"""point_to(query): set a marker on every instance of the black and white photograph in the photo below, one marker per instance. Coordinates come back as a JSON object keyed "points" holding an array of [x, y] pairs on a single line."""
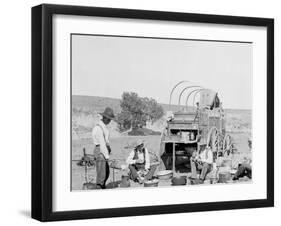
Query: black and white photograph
{"points": [[142, 112], [158, 112]]}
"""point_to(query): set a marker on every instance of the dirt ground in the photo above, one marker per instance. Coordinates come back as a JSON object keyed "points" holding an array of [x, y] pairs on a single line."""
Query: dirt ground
{"points": [[121, 147]]}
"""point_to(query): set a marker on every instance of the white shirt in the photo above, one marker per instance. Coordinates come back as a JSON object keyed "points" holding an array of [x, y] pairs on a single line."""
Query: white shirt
{"points": [[206, 157], [100, 136], [141, 155]]}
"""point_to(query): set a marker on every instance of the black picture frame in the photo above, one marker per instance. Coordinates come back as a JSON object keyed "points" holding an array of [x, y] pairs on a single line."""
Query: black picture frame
{"points": [[42, 107]]}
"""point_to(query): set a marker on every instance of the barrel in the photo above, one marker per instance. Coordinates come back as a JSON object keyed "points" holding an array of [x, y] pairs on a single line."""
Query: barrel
{"points": [[224, 177]]}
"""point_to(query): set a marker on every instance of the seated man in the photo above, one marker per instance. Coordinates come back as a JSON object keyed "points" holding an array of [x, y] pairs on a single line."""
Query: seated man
{"points": [[202, 161], [244, 169], [139, 163]]}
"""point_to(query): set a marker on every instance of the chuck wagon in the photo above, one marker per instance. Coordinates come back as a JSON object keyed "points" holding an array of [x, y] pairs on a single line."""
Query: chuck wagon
{"points": [[192, 127]]}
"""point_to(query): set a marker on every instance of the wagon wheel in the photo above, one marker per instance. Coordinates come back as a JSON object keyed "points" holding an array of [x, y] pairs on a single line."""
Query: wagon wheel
{"points": [[227, 145], [213, 139]]}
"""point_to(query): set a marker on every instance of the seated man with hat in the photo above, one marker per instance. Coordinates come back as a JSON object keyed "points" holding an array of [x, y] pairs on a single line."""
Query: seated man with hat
{"points": [[202, 161], [102, 148], [139, 164]]}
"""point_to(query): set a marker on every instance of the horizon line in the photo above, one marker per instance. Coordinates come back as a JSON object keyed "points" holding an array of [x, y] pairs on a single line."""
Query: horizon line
{"points": [[246, 109]]}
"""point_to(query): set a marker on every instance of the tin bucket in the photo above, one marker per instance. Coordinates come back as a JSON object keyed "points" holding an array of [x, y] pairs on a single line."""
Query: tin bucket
{"points": [[224, 177], [125, 181]]}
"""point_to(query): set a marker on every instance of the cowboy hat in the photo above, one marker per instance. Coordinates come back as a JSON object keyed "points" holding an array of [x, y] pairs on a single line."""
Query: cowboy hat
{"points": [[108, 113], [139, 143]]}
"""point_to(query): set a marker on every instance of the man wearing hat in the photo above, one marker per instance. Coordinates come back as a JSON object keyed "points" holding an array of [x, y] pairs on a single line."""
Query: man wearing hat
{"points": [[139, 163], [202, 161], [102, 149], [244, 169]]}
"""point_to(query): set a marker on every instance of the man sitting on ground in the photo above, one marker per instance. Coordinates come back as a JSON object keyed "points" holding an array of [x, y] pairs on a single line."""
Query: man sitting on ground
{"points": [[244, 169], [139, 164], [202, 161]]}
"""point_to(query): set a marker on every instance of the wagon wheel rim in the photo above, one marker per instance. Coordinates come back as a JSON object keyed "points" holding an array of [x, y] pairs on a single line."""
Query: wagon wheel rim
{"points": [[213, 139], [227, 144]]}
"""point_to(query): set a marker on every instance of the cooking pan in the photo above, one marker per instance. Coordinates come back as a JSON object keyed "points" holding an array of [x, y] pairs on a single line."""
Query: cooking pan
{"points": [[165, 174], [179, 180]]}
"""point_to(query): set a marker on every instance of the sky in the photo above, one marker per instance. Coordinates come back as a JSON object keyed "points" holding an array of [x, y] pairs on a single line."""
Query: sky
{"points": [[108, 66]]}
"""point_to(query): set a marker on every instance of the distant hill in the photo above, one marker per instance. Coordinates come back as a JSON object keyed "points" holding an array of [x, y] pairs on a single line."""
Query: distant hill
{"points": [[85, 109], [95, 103], [98, 104]]}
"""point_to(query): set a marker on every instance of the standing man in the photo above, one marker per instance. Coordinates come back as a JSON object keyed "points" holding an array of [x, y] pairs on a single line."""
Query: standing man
{"points": [[102, 148], [203, 162]]}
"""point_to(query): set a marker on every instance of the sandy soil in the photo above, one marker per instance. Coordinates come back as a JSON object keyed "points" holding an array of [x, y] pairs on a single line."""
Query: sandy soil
{"points": [[121, 146]]}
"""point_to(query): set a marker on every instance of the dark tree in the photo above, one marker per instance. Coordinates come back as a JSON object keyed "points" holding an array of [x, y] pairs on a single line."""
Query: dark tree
{"points": [[124, 120], [136, 111], [153, 110]]}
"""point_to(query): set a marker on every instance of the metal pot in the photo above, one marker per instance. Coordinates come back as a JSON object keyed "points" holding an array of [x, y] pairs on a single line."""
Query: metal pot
{"points": [[89, 186], [182, 160], [165, 174], [180, 152], [192, 136], [224, 177], [179, 180], [125, 181], [151, 183]]}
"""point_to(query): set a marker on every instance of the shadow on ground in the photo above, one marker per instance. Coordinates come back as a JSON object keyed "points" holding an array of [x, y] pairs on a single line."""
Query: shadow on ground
{"points": [[25, 213]]}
